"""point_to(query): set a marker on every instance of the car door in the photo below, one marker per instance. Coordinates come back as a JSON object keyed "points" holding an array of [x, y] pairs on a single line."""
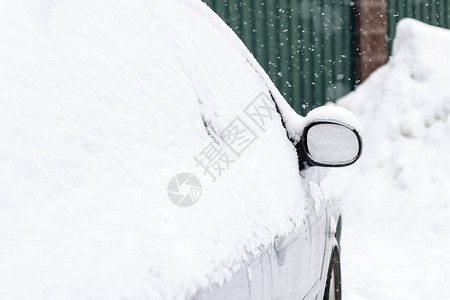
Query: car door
{"points": [[293, 257], [290, 264], [317, 218]]}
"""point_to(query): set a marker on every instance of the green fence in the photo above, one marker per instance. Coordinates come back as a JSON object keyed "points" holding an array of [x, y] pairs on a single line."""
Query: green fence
{"points": [[305, 46], [434, 12]]}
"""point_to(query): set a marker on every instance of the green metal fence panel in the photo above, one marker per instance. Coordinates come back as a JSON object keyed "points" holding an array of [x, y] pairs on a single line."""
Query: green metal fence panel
{"points": [[433, 12], [306, 46]]}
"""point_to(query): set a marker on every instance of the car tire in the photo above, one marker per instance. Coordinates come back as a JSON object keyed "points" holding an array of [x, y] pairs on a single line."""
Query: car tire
{"points": [[333, 289]]}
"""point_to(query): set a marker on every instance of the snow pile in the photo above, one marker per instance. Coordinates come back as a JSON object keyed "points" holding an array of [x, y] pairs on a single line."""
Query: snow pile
{"points": [[102, 103], [396, 239]]}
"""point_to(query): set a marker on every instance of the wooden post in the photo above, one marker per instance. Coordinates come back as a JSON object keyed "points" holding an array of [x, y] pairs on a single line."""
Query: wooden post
{"points": [[370, 37]]}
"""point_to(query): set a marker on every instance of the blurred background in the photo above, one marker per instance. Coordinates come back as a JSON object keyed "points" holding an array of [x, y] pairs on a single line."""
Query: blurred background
{"points": [[318, 51]]}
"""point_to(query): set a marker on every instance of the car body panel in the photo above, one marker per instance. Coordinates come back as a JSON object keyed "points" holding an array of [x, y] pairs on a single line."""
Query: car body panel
{"points": [[295, 267], [290, 272]]}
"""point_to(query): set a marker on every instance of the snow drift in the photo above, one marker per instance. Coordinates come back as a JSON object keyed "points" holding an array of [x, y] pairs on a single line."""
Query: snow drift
{"points": [[102, 103], [396, 239]]}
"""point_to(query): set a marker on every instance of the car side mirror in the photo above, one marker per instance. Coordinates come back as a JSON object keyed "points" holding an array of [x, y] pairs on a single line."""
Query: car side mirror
{"points": [[329, 143]]}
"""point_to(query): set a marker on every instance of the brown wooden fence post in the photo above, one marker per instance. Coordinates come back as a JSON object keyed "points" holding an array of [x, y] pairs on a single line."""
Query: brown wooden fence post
{"points": [[370, 37]]}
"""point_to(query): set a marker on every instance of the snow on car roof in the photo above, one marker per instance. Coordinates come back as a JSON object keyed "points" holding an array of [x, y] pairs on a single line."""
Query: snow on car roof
{"points": [[102, 104]]}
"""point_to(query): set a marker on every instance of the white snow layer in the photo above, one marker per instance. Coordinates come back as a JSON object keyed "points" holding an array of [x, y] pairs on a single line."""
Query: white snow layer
{"points": [[102, 103], [396, 229]]}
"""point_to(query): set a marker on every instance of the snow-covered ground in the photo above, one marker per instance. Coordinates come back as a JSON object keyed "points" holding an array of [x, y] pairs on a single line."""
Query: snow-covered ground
{"points": [[396, 238]]}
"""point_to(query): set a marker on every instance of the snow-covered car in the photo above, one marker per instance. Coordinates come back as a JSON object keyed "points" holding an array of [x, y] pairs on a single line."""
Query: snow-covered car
{"points": [[106, 106]]}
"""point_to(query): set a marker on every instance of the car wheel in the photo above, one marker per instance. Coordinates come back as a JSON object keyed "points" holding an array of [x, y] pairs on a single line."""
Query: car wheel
{"points": [[333, 288]]}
